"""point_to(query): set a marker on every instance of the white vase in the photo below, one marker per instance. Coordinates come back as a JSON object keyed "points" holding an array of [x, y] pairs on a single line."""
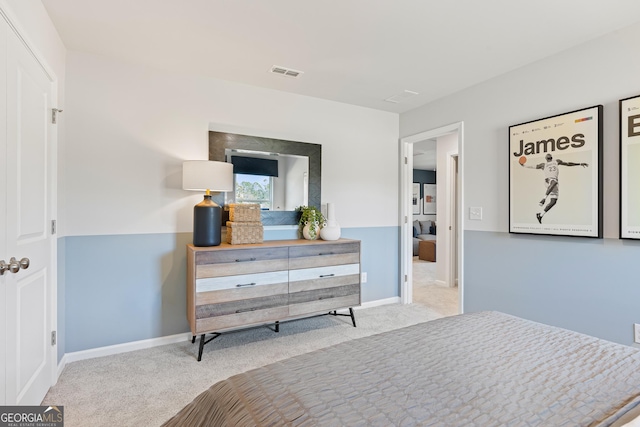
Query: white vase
{"points": [[330, 231], [331, 228], [311, 230]]}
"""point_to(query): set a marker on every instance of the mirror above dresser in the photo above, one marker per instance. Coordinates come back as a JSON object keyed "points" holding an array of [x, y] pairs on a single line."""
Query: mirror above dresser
{"points": [[223, 146]]}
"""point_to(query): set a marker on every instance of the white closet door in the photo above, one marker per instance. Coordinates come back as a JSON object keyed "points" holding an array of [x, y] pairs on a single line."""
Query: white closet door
{"points": [[3, 207], [29, 293]]}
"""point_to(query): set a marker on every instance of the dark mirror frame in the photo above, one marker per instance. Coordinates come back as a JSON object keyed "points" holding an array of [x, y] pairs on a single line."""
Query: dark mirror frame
{"points": [[220, 141]]}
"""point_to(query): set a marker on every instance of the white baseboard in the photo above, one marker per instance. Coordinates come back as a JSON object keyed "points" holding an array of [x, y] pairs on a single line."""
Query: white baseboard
{"points": [[377, 303], [441, 282], [155, 342], [61, 366], [126, 347]]}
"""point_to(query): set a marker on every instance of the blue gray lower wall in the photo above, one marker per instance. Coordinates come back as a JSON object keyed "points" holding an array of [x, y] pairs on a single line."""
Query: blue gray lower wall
{"points": [[586, 285], [122, 288]]}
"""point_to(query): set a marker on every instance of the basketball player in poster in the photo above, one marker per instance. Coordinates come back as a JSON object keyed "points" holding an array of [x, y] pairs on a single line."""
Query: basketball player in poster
{"points": [[551, 171]]}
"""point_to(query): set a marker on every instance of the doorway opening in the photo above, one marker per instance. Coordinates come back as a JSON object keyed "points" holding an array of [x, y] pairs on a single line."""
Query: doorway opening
{"points": [[447, 271]]}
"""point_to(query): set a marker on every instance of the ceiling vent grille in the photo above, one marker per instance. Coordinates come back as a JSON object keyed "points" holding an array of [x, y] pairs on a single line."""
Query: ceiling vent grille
{"points": [[396, 99], [284, 71]]}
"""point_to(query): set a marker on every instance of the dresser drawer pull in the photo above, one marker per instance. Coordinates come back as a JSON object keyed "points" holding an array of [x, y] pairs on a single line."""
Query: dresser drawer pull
{"points": [[325, 253], [245, 284], [327, 275], [245, 310], [245, 260]]}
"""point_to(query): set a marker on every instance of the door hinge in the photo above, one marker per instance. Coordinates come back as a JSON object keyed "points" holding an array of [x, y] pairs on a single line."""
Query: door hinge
{"points": [[53, 226], [406, 161], [406, 219], [53, 338], [54, 115], [406, 278]]}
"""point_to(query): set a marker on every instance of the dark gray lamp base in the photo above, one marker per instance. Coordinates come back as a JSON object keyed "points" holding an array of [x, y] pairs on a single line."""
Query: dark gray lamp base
{"points": [[207, 223]]}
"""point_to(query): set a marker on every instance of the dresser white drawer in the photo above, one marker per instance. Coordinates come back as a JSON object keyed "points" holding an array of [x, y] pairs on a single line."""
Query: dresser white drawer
{"points": [[323, 272], [241, 281]]}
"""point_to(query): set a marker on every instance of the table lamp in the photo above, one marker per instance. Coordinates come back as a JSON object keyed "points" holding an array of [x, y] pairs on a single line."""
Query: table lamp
{"points": [[207, 215]]}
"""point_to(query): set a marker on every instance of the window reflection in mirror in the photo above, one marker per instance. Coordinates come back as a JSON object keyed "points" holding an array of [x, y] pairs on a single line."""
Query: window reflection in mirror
{"points": [[254, 189], [278, 182]]}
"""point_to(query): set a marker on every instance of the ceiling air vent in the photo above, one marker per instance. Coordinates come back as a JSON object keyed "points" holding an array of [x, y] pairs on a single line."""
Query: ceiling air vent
{"points": [[396, 99], [283, 71]]}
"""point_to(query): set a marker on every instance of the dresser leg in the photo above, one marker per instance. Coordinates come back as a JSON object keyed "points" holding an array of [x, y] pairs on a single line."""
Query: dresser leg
{"points": [[201, 347], [353, 317], [277, 326], [193, 339], [203, 342]]}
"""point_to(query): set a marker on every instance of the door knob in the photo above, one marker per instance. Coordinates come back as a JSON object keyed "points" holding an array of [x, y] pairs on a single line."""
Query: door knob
{"points": [[3, 267], [14, 265]]}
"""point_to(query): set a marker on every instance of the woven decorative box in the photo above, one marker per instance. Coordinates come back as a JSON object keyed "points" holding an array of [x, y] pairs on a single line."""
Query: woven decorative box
{"points": [[244, 212], [244, 232]]}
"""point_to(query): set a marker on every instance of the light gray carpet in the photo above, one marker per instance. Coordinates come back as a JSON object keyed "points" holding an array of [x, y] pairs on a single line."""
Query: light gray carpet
{"points": [[439, 298], [146, 387]]}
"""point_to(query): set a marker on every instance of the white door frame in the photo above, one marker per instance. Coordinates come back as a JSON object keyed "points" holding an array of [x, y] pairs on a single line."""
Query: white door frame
{"points": [[452, 203], [15, 26], [406, 178]]}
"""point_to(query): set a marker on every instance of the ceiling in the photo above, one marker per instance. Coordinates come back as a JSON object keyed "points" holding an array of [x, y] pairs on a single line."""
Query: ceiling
{"points": [[352, 51], [424, 155]]}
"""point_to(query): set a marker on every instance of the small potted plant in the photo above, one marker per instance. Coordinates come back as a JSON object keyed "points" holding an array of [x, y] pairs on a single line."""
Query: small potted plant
{"points": [[311, 219]]}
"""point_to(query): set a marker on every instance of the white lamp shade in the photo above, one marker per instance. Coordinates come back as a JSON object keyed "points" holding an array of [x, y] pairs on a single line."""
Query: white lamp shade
{"points": [[207, 175]]}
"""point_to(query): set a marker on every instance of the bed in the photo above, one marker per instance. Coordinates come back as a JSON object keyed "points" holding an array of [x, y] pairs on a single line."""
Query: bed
{"points": [[477, 369]]}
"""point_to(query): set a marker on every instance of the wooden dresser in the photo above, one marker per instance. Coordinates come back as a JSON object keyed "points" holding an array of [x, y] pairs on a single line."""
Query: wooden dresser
{"points": [[232, 286]]}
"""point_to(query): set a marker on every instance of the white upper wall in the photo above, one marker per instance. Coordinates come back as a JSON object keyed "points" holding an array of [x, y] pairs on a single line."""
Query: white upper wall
{"points": [[601, 71], [130, 128]]}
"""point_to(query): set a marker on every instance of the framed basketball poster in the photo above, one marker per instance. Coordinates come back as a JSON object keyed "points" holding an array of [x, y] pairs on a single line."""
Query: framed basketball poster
{"points": [[555, 175], [630, 168]]}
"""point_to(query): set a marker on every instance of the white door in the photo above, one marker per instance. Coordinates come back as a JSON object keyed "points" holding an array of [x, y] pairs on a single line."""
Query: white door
{"points": [[29, 359], [3, 210]]}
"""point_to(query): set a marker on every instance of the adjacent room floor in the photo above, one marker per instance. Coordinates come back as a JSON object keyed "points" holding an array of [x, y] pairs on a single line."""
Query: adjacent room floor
{"points": [[439, 298]]}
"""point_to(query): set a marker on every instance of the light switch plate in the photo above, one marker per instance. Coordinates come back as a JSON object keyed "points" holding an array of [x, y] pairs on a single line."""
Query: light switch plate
{"points": [[475, 213]]}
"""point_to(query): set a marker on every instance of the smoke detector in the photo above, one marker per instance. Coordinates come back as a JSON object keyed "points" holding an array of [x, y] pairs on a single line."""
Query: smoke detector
{"points": [[396, 99], [284, 71]]}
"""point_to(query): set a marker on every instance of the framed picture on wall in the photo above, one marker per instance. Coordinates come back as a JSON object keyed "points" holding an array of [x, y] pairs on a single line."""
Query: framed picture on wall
{"points": [[630, 168], [429, 199], [555, 175], [416, 198]]}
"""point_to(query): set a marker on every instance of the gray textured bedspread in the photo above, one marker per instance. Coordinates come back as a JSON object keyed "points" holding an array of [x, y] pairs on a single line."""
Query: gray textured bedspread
{"points": [[478, 369]]}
